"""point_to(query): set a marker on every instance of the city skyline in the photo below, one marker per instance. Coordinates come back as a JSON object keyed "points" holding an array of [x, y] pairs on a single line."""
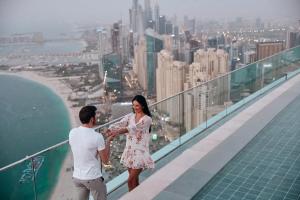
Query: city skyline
{"points": [[28, 16]]}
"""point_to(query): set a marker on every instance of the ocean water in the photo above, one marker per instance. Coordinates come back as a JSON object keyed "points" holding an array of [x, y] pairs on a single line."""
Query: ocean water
{"points": [[32, 118], [51, 47]]}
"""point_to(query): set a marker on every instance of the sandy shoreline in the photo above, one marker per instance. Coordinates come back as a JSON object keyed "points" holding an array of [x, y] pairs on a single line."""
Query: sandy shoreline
{"points": [[64, 188]]}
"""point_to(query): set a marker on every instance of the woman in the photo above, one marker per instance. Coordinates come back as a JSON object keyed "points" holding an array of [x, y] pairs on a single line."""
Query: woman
{"points": [[137, 127]]}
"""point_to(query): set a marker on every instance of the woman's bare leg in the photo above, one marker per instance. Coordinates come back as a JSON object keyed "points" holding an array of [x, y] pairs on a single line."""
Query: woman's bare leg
{"points": [[133, 179]]}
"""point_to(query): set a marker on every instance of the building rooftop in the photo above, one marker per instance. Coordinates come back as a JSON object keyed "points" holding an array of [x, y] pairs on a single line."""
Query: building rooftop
{"points": [[267, 166]]}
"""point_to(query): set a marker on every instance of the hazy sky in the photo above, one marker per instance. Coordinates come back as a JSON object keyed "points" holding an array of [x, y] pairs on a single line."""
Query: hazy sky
{"points": [[34, 15]]}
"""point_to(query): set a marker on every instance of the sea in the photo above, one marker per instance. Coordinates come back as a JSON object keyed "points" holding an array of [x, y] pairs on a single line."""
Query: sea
{"points": [[50, 47], [32, 118]]}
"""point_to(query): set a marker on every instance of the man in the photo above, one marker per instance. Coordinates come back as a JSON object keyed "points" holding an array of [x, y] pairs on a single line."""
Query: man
{"points": [[87, 146]]}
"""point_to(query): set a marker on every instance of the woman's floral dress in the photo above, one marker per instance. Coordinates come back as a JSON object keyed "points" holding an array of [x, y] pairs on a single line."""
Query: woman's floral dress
{"points": [[136, 153]]}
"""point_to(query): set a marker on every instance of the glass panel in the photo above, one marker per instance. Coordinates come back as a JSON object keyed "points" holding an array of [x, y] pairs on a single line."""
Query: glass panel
{"points": [[290, 60], [17, 182], [49, 171], [238, 85], [226, 92], [115, 168], [253, 79], [195, 109], [181, 125], [268, 74], [167, 121], [218, 96]]}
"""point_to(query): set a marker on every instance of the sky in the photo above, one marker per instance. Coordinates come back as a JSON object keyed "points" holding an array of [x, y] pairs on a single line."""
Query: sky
{"points": [[46, 15]]}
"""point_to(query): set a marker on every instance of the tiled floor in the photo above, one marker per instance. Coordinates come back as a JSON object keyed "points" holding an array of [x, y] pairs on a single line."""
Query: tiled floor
{"points": [[267, 168]]}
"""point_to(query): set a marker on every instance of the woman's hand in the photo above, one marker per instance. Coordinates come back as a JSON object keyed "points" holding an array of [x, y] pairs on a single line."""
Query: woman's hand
{"points": [[111, 132]]}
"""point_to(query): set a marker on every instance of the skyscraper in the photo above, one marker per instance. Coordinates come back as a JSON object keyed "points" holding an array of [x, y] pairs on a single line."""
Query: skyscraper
{"points": [[169, 28], [190, 25], [169, 80], [140, 62], [249, 57], [154, 45], [133, 15], [115, 37], [156, 16], [176, 31], [140, 21], [162, 25], [207, 65], [136, 18], [266, 49], [259, 24], [145, 60], [125, 43], [170, 75], [212, 42], [293, 39], [169, 42], [147, 14], [102, 46], [131, 44]]}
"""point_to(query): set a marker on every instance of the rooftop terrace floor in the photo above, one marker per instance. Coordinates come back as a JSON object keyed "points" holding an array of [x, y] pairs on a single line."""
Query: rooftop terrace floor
{"points": [[267, 168]]}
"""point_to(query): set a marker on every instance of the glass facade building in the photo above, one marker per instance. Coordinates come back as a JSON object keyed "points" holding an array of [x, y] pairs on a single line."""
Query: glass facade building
{"points": [[154, 45]]}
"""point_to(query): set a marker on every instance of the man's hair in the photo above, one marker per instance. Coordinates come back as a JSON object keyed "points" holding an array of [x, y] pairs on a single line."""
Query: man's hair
{"points": [[86, 113]]}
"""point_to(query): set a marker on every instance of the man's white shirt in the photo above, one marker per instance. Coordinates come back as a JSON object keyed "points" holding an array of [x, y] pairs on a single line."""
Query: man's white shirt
{"points": [[85, 144]]}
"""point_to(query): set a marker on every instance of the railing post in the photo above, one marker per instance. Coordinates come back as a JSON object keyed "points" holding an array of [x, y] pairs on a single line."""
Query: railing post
{"points": [[33, 177], [180, 114], [206, 105]]}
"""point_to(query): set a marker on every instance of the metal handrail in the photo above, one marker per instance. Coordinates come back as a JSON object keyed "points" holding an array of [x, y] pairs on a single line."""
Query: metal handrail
{"points": [[103, 125], [34, 155]]}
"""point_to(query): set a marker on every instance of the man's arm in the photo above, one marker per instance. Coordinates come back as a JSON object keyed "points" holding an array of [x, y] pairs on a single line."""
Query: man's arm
{"points": [[105, 153]]}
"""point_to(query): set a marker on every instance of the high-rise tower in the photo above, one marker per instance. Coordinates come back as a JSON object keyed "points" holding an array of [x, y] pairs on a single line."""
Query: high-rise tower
{"points": [[136, 18], [147, 13], [156, 15]]}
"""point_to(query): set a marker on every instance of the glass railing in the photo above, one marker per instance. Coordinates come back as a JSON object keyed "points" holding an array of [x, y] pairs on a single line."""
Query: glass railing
{"points": [[50, 171], [175, 121], [34, 177], [17, 182]]}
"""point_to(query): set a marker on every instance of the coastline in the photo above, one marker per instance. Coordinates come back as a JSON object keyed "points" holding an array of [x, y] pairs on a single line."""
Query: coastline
{"points": [[64, 188]]}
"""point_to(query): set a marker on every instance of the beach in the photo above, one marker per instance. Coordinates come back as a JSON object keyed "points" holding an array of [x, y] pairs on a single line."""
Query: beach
{"points": [[64, 188]]}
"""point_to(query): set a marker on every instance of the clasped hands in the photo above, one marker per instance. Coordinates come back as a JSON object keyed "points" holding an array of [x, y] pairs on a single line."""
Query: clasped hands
{"points": [[111, 134]]}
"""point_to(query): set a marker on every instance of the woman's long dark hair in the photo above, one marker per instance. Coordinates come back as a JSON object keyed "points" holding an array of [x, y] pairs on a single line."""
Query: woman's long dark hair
{"points": [[142, 101]]}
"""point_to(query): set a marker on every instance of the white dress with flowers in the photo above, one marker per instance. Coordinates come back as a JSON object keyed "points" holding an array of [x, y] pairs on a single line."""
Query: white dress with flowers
{"points": [[136, 154]]}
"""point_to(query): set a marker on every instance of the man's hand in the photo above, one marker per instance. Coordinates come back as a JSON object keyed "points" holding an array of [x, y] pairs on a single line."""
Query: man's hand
{"points": [[110, 138], [104, 154]]}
